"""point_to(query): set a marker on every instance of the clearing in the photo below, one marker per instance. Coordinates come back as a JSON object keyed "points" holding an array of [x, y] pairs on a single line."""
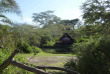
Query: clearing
{"points": [[48, 59]]}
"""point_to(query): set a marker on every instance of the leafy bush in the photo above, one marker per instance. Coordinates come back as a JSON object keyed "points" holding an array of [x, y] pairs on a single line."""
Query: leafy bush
{"points": [[95, 60], [94, 57], [24, 47], [46, 41], [36, 49], [50, 43], [49, 50], [83, 40], [71, 64], [79, 47], [76, 40]]}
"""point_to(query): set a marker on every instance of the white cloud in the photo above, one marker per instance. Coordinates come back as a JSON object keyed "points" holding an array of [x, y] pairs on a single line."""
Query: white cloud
{"points": [[69, 13], [28, 20]]}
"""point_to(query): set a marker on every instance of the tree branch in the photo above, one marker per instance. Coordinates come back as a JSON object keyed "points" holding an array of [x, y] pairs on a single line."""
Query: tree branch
{"points": [[7, 61], [57, 68], [32, 69]]}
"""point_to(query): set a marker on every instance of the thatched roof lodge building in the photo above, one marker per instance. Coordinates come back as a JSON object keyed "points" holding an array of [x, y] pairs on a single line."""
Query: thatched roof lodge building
{"points": [[66, 39]]}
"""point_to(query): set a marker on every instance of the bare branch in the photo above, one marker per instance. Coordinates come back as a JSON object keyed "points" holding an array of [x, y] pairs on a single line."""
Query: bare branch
{"points": [[7, 61], [57, 68], [32, 69]]}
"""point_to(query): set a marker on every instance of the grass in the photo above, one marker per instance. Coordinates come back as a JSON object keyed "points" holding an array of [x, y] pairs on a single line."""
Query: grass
{"points": [[47, 59], [44, 54]]}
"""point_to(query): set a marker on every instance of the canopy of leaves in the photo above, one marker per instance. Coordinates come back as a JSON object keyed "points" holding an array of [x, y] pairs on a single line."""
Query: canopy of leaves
{"points": [[96, 11], [45, 18], [69, 22], [8, 6]]}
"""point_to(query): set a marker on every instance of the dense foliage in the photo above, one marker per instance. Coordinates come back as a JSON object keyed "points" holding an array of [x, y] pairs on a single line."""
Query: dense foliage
{"points": [[93, 54], [8, 6], [91, 39]]}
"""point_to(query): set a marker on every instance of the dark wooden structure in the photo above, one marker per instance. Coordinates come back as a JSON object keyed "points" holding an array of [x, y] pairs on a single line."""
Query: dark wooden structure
{"points": [[66, 39]]}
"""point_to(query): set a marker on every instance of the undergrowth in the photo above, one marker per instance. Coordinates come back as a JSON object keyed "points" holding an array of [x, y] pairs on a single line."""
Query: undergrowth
{"points": [[4, 54]]}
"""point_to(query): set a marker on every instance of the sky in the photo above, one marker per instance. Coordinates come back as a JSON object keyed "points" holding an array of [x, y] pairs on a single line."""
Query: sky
{"points": [[65, 9]]}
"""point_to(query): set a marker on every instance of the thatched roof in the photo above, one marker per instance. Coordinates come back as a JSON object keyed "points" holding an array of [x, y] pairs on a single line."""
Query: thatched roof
{"points": [[66, 39]]}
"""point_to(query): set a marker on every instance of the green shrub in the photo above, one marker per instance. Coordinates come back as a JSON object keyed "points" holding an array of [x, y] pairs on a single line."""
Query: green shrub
{"points": [[24, 47], [76, 40], [79, 47], [93, 57], [46, 41], [49, 50], [83, 40], [36, 49], [93, 60], [71, 64], [50, 43]]}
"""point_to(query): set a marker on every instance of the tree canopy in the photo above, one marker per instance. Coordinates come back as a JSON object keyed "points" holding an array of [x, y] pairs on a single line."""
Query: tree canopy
{"points": [[45, 18], [96, 11], [8, 6]]}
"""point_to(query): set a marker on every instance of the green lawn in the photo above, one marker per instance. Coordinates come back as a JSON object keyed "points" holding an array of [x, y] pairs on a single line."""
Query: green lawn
{"points": [[48, 59], [44, 54]]}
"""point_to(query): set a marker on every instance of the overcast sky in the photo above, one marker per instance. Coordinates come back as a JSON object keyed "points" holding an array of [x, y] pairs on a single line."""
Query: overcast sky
{"points": [[65, 9]]}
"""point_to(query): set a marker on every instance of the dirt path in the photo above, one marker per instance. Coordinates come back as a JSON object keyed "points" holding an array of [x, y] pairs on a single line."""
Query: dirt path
{"points": [[50, 60]]}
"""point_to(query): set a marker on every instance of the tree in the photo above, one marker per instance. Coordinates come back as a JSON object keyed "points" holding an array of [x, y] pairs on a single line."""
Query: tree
{"points": [[45, 18], [8, 6], [69, 22], [96, 11]]}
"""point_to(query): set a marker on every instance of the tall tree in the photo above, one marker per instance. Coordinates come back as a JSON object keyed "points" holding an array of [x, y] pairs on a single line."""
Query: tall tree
{"points": [[69, 22], [45, 18], [7, 6], [96, 11]]}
